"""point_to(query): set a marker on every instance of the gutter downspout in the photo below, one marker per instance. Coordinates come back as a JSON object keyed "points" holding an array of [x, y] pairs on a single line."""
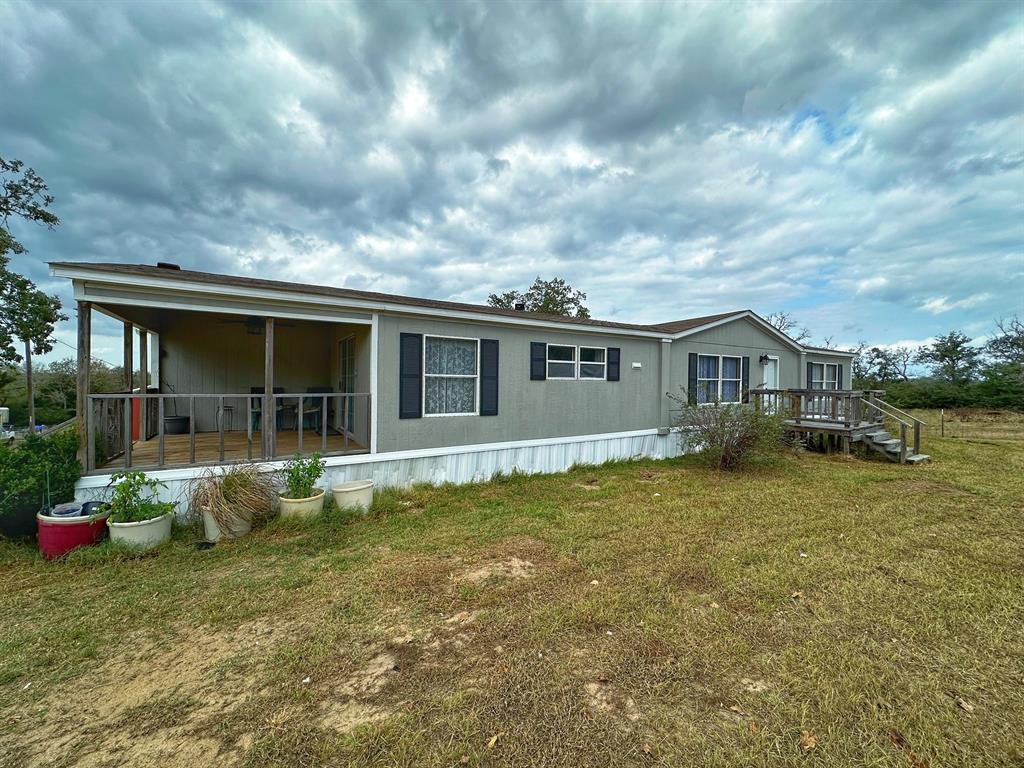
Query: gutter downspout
{"points": [[665, 382]]}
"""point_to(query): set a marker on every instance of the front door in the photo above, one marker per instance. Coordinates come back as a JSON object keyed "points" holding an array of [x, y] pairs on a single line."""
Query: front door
{"points": [[771, 381], [347, 379]]}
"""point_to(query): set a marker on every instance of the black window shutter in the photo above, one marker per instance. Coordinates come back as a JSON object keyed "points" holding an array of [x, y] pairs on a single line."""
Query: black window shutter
{"points": [[839, 377], [410, 376], [810, 375], [691, 379], [613, 364], [746, 379], [488, 377], [538, 360]]}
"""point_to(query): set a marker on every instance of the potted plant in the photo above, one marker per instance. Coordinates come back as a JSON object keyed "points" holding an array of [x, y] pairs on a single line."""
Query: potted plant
{"points": [[301, 497], [231, 500], [137, 517]]}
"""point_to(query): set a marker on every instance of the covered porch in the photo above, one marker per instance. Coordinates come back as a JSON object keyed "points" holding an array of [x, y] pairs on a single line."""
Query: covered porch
{"points": [[209, 387]]}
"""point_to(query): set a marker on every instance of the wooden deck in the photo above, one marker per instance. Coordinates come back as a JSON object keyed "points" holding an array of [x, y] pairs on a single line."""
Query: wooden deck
{"points": [[145, 454]]}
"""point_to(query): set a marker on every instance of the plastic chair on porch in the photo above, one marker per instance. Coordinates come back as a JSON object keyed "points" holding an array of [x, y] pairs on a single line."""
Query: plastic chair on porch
{"points": [[312, 408], [257, 408]]}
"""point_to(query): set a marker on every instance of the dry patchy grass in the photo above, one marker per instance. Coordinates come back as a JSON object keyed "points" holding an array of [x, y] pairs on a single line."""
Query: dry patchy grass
{"points": [[817, 610]]}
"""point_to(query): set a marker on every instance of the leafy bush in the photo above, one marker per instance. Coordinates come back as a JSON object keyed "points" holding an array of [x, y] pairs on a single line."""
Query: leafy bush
{"points": [[23, 471], [301, 474], [728, 435], [134, 500]]}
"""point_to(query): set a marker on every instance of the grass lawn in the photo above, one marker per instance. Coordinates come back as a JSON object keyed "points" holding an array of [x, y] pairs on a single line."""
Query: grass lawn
{"points": [[816, 611]]}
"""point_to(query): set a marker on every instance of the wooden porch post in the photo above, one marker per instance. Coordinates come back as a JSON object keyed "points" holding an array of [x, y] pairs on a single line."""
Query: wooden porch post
{"points": [[144, 382], [129, 365], [82, 388], [269, 426]]}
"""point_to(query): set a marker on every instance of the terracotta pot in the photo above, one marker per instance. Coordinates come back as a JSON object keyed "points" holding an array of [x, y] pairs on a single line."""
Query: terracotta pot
{"points": [[303, 507]]}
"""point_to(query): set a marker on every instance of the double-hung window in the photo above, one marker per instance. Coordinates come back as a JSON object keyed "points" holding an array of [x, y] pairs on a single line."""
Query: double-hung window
{"points": [[566, 361], [451, 371], [561, 361], [593, 362], [719, 379], [824, 376]]}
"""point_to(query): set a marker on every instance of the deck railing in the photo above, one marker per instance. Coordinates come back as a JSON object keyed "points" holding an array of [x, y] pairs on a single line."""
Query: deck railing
{"points": [[110, 426], [847, 407], [836, 407]]}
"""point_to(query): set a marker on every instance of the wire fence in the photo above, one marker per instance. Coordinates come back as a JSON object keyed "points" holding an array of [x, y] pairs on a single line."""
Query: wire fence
{"points": [[972, 423]]}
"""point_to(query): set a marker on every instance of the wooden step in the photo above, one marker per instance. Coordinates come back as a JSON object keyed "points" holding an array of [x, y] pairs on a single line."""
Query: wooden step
{"points": [[917, 458], [881, 435]]}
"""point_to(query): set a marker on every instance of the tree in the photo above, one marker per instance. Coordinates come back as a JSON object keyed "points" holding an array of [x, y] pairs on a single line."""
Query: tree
{"points": [[951, 358], [1007, 344], [786, 323], [27, 313], [552, 297]]}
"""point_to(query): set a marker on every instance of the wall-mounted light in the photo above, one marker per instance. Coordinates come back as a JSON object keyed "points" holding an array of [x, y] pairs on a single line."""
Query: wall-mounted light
{"points": [[763, 359]]}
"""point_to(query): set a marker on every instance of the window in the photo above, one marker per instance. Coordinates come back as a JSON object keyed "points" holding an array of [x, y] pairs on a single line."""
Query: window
{"points": [[719, 379], [568, 362], [450, 372], [592, 362], [561, 361], [824, 376]]}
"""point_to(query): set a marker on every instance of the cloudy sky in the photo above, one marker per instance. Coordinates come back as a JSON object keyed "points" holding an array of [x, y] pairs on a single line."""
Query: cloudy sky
{"points": [[858, 164]]}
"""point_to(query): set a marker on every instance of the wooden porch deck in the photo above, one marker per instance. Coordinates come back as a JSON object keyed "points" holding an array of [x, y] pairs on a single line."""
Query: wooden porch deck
{"points": [[146, 453]]}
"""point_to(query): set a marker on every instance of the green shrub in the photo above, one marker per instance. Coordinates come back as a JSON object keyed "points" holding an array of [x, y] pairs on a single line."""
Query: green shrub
{"points": [[728, 435], [23, 471], [133, 498], [301, 474]]}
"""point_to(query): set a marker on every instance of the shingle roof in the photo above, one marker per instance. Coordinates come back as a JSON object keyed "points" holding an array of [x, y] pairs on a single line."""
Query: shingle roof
{"points": [[185, 275]]}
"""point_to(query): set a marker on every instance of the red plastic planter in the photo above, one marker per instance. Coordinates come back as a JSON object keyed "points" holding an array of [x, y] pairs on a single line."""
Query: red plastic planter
{"points": [[58, 536]]}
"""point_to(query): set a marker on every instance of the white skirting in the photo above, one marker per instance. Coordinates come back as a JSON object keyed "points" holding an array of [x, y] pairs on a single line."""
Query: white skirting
{"points": [[457, 464]]}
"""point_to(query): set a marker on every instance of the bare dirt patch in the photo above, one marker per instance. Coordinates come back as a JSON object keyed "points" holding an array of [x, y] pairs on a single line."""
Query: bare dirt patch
{"points": [[513, 568], [603, 698], [145, 707]]}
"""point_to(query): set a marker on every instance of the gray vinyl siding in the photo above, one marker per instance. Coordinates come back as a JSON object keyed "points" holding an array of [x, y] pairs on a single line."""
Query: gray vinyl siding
{"points": [[526, 409], [846, 362], [741, 338]]}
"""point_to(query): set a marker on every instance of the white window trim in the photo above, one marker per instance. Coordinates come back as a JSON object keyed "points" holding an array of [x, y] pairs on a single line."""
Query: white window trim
{"points": [[720, 379], [476, 396], [575, 361], [826, 379], [580, 363]]}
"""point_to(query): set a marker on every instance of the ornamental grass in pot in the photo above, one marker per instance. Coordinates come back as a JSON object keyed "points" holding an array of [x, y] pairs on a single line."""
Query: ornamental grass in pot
{"points": [[231, 500], [138, 518], [301, 497]]}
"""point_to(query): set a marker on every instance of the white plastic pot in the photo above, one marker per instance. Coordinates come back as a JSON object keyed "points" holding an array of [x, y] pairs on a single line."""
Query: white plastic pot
{"points": [[354, 494], [235, 528], [303, 507], [142, 535]]}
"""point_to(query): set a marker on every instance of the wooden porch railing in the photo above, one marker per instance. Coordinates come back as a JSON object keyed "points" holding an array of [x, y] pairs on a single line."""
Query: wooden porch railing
{"points": [[847, 407], [109, 424]]}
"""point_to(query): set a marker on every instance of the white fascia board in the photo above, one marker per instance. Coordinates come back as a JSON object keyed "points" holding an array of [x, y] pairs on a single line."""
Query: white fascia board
{"points": [[270, 294]]}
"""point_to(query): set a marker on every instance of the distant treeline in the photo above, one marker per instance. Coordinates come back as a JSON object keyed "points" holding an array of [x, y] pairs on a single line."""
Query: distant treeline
{"points": [[961, 374], [55, 389]]}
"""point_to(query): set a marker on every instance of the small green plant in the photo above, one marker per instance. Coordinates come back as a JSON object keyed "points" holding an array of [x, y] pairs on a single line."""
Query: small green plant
{"points": [[133, 498], [301, 474]]}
